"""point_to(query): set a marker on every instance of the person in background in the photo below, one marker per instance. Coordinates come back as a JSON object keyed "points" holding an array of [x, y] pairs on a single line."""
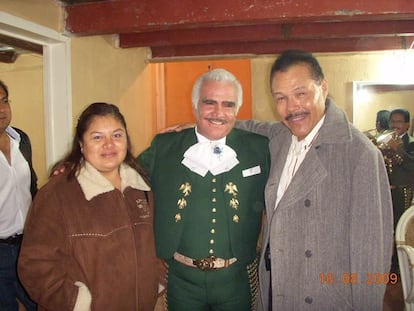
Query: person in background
{"points": [[328, 203], [89, 242], [208, 184], [382, 122], [18, 185], [402, 171], [381, 132], [400, 163]]}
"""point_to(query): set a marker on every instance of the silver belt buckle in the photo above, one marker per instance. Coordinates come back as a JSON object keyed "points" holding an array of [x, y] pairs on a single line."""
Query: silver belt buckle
{"points": [[205, 264]]}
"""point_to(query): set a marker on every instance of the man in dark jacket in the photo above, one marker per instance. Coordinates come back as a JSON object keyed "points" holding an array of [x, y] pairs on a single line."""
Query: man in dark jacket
{"points": [[401, 172], [400, 165], [18, 185]]}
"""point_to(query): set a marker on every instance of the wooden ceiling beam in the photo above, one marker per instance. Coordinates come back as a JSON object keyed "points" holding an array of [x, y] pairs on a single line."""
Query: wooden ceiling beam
{"points": [[21, 44], [277, 46], [266, 32], [123, 16]]}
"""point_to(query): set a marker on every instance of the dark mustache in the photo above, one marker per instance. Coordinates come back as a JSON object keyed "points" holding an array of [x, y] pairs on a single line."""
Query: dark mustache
{"points": [[297, 114], [217, 119]]}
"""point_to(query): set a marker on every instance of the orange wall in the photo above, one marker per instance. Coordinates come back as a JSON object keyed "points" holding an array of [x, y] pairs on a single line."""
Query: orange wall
{"points": [[181, 76]]}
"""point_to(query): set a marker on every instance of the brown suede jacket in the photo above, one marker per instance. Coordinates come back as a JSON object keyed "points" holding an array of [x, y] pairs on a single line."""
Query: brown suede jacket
{"points": [[87, 246]]}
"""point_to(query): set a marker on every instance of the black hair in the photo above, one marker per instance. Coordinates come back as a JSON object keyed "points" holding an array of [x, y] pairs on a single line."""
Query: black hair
{"points": [[402, 111], [293, 57], [383, 118], [74, 159], [4, 87]]}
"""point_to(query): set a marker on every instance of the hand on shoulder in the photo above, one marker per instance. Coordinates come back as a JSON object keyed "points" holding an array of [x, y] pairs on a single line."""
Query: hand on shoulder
{"points": [[177, 128]]}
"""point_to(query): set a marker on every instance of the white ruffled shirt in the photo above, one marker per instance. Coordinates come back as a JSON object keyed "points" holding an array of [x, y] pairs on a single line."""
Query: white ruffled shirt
{"points": [[206, 155]]}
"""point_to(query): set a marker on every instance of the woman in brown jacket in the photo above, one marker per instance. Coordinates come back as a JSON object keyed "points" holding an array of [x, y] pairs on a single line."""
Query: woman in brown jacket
{"points": [[89, 242]]}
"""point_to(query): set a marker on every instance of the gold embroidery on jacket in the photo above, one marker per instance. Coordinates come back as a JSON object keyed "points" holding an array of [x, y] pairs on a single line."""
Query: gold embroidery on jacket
{"points": [[231, 188]]}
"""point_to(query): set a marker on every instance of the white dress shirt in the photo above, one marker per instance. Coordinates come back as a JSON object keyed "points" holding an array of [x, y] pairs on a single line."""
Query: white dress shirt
{"points": [[15, 196], [297, 152]]}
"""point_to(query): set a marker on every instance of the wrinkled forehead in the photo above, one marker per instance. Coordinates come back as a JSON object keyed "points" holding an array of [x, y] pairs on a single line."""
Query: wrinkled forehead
{"points": [[218, 90], [296, 76]]}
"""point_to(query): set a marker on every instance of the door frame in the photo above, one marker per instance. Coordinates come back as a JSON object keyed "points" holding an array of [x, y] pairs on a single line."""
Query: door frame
{"points": [[56, 80]]}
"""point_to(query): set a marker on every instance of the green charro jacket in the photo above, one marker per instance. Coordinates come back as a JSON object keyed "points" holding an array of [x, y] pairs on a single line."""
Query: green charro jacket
{"points": [[180, 194]]}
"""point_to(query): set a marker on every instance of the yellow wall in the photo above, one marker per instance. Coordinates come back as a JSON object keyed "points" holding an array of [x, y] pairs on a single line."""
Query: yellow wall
{"points": [[340, 71], [25, 77], [386, 100], [47, 13], [101, 72], [24, 80]]}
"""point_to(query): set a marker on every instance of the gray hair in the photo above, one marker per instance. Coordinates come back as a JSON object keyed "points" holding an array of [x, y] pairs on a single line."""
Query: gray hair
{"points": [[218, 74]]}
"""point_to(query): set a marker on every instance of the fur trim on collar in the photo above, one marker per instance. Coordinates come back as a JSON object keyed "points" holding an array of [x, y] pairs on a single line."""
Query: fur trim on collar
{"points": [[94, 183]]}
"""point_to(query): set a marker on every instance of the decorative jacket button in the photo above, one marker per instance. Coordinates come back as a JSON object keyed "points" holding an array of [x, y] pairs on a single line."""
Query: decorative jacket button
{"points": [[308, 253], [307, 202], [308, 300]]}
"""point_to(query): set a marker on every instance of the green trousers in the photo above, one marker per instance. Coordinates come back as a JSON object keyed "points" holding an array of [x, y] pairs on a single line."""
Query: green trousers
{"points": [[228, 289]]}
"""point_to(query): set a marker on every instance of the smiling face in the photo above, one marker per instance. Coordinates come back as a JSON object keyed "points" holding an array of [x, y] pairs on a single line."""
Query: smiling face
{"points": [[104, 144], [216, 113], [398, 123], [299, 99]]}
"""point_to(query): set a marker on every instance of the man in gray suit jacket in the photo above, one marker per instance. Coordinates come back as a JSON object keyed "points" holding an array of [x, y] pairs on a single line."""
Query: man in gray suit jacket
{"points": [[329, 226]]}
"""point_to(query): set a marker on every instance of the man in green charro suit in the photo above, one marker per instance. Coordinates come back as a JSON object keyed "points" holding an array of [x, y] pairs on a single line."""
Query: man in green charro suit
{"points": [[208, 183]]}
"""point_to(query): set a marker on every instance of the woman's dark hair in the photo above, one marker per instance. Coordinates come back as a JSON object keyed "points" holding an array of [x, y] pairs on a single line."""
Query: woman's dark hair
{"points": [[383, 118], [74, 159], [293, 57]]}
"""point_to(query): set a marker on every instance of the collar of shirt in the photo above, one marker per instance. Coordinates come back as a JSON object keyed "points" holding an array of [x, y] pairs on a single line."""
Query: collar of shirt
{"points": [[203, 139], [296, 154], [306, 143], [402, 135], [13, 134]]}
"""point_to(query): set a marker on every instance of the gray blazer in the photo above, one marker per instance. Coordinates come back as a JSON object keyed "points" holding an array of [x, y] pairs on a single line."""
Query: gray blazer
{"points": [[331, 235]]}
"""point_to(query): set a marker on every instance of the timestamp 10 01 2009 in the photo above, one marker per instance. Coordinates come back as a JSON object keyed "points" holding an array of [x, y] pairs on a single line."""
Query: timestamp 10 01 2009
{"points": [[355, 278]]}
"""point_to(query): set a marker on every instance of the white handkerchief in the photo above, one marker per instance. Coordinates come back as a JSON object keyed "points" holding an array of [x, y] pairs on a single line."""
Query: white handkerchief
{"points": [[207, 156], [251, 171]]}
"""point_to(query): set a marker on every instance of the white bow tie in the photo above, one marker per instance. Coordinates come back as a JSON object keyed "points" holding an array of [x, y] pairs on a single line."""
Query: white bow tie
{"points": [[209, 156]]}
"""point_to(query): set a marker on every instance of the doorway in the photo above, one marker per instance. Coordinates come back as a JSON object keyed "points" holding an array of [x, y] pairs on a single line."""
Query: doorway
{"points": [[177, 80]]}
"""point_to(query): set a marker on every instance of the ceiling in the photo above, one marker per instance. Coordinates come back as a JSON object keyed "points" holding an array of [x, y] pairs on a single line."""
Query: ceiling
{"points": [[191, 28], [213, 28]]}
